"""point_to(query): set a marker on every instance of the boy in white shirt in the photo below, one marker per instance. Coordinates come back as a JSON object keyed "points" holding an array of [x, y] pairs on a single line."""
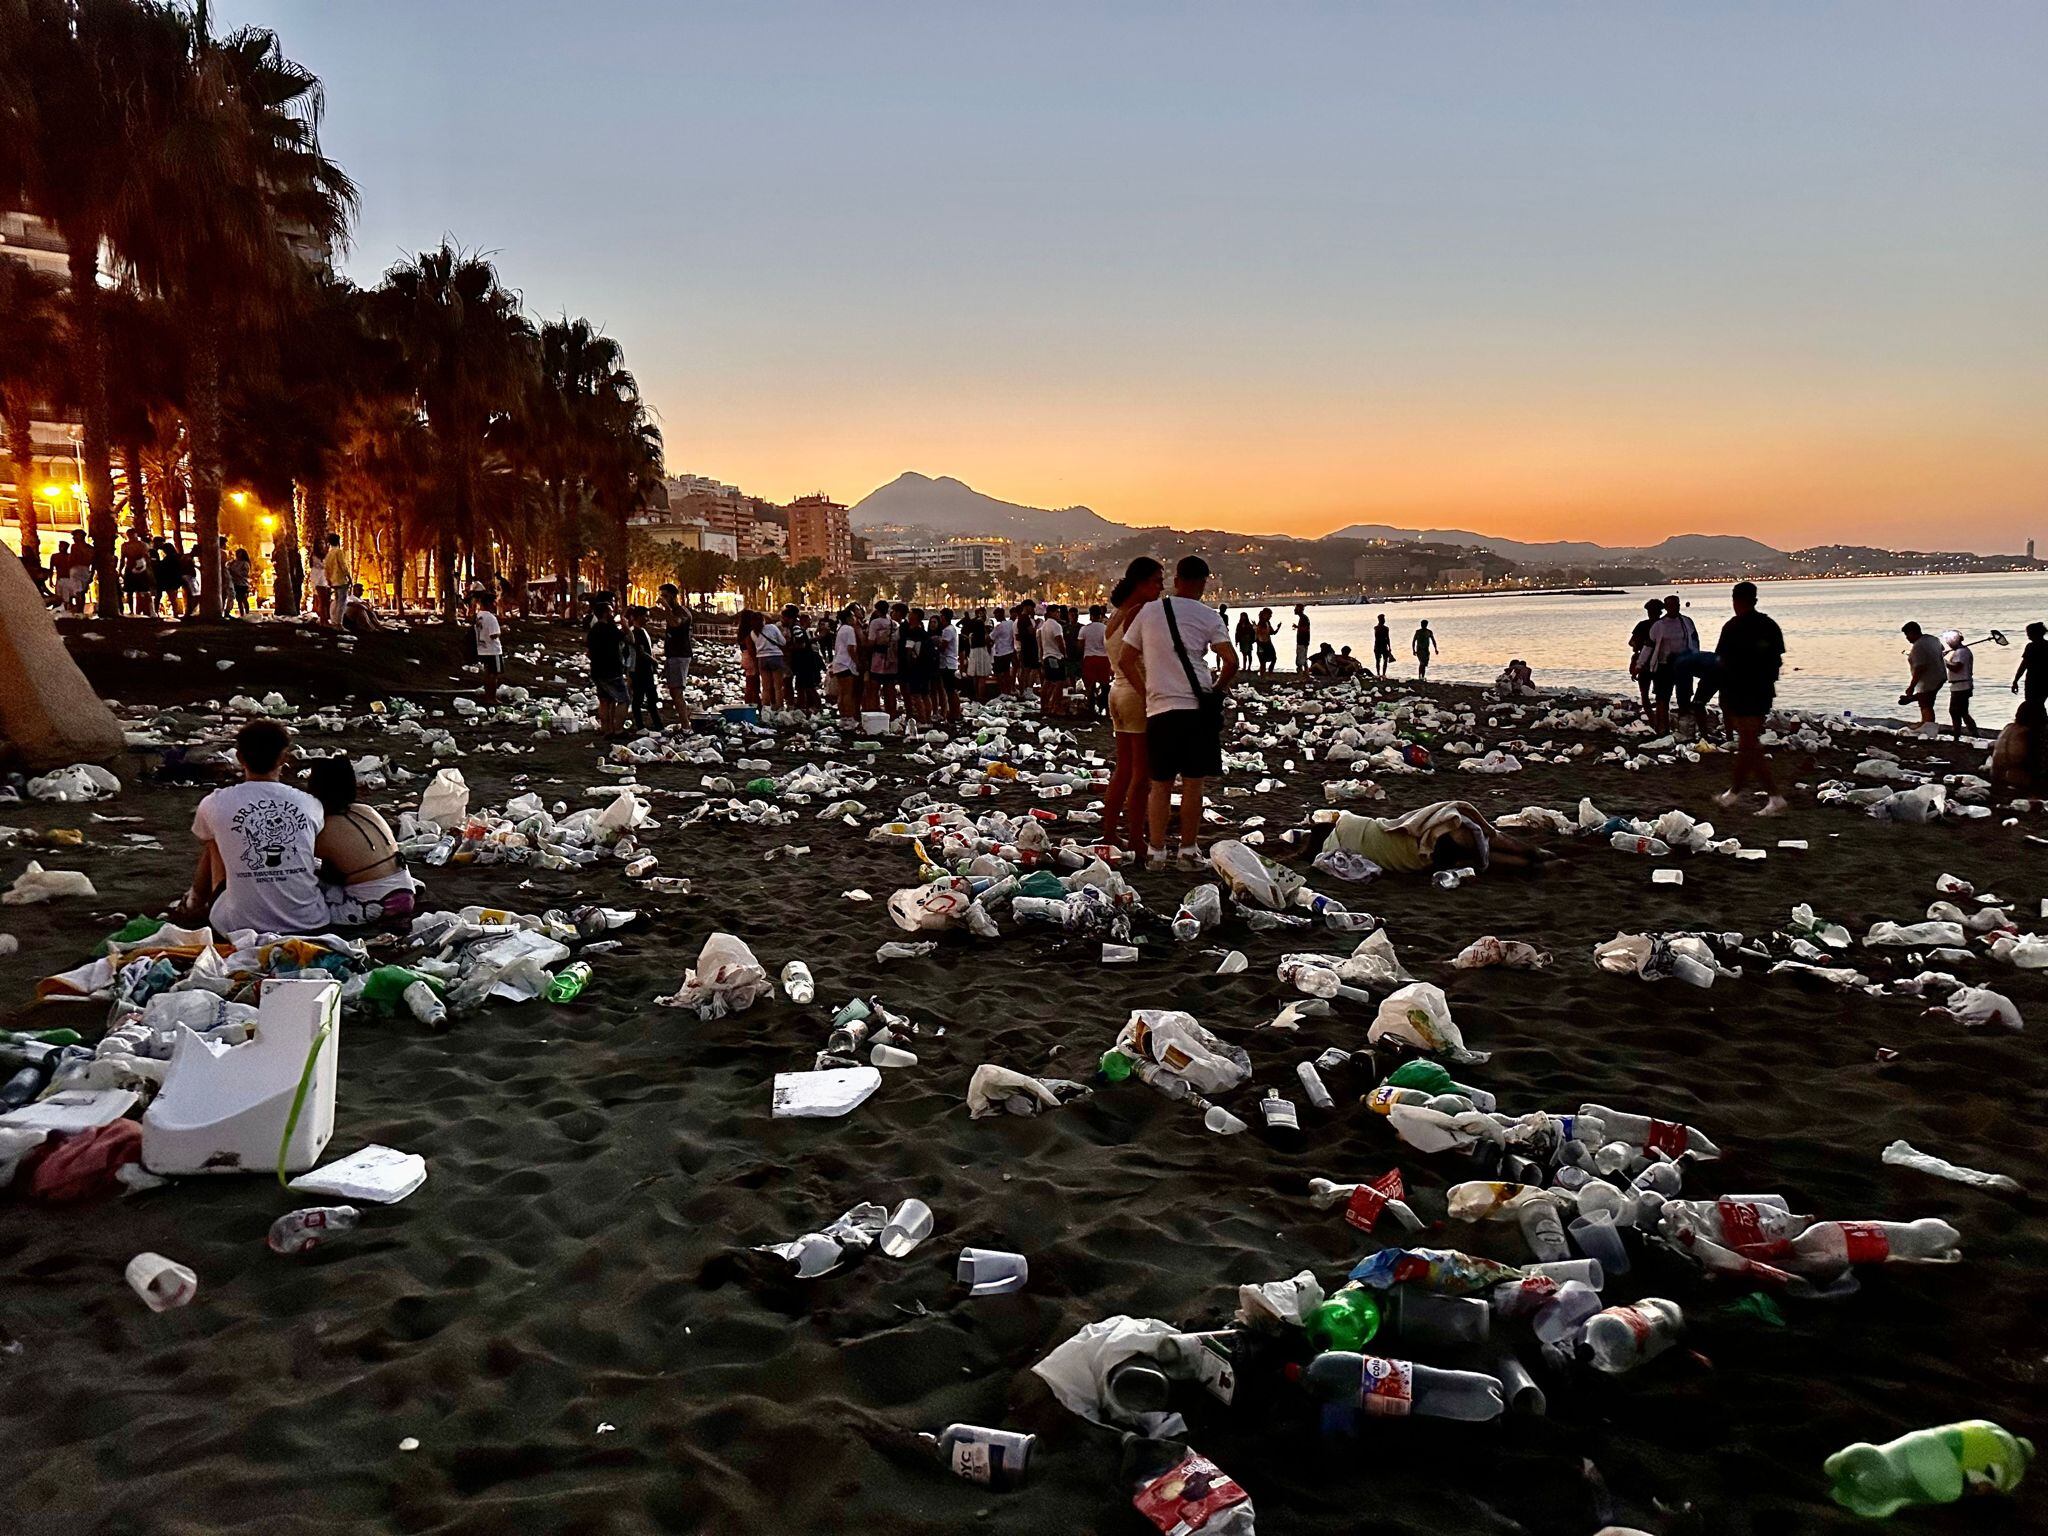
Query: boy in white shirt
{"points": [[256, 845], [490, 644]]}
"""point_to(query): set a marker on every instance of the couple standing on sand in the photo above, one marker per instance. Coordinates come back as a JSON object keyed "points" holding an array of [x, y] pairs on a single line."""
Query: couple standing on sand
{"points": [[1165, 705]]}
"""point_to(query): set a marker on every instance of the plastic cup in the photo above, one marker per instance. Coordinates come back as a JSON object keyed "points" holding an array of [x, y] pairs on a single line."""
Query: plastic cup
{"points": [[992, 1272], [1586, 1271], [892, 1056], [1599, 1239], [160, 1282], [909, 1224], [1222, 1121]]}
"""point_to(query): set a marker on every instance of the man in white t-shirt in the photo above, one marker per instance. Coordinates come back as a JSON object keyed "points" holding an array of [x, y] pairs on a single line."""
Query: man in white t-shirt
{"points": [[1052, 658], [845, 667], [490, 643], [1002, 651], [1166, 654], [256, 841]]}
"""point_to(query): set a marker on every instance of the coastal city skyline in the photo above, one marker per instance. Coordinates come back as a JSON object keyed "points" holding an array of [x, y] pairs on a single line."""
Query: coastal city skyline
{"points": [[1629, 274]]}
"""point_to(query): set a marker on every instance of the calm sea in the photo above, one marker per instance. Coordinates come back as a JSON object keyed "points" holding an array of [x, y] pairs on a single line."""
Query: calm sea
{"points": [[1842, 641]]}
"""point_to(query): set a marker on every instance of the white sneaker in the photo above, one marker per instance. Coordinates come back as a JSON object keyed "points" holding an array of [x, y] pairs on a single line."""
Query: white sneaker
{"points": [[1156, 859], [1193, 858], [1777, 805], [1728, 797]]}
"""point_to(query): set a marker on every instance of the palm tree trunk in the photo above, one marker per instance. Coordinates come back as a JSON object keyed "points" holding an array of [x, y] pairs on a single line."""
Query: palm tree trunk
{"points": [[91, 328], [206, 465], [316, 512], [138, 494], [21, 446], [284, 548]]}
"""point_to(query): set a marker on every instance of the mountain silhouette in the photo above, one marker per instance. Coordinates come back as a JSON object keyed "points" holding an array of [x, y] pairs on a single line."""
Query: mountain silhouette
{"points": [[952, 507]]}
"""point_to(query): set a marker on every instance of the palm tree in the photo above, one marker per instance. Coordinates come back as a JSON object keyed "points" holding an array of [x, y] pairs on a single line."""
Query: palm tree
{"points": [[232, 189], [82, 117], [469, 351], [32, 373], [145, 392], [586, 406]]}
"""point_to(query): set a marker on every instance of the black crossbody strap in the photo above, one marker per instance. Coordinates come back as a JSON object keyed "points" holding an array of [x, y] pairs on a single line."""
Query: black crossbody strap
{"points": [[1187, 666]]}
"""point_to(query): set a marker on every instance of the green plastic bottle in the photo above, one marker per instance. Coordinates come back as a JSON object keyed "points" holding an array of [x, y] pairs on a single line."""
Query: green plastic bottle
{"points": [[1116, 1066], [387, 984], [761, 786], [568, 983], [42, 1036], [1427, 1076], [1347, 1321], [1928, 1466]]}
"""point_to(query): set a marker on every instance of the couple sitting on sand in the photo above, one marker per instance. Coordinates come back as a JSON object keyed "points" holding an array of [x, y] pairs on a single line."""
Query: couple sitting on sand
{"points": [[279, 860]]}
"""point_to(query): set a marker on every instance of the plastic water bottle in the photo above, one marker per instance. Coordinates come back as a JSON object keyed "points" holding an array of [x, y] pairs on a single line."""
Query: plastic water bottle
{"points": [[425, 1004], [996, 1458], [797, 985], [1559, 1318], [1312, 1085], [1622, 1338], [1628, 842], [568, 983], [303, 1231], [1830, 1245], [1396, 1388], [1200, 910], [1650, 1135], [1927, 1466]]}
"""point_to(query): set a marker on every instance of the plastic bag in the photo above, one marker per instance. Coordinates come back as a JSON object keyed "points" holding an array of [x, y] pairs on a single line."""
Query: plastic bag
{"points": [[1078, 1371], [1180, 1045], [1345, 865], [726, 979], [1420, 1014], [993, 1090], [81, 781], [1253, 879], [37, 884], [1373, 963], [445, 801], [1490, 951], [929, 908]]}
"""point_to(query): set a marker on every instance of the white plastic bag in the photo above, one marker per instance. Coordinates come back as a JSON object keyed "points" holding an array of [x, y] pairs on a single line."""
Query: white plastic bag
{"points": [[81, 781], [726, 979], [1252, 879], [1420, 1014], [1181, 1046], [37, 884], [445, 801]]}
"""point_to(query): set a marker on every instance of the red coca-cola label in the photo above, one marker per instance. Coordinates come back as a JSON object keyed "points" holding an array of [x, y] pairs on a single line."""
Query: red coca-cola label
{"points": [[1370, 1199], [1638, 1324], [1864, 1242], [1742, 1228], [1188, 1497], [1665, 1136]]}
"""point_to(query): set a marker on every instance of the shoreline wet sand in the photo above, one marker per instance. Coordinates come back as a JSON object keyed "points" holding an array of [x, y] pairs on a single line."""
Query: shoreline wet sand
{"points": [[568, 1318]]}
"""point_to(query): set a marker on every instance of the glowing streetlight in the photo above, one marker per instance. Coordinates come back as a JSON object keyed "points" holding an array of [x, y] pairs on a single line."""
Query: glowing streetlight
{"points": [[52, 492], [77, 489], [269, 522], [239, 498]]}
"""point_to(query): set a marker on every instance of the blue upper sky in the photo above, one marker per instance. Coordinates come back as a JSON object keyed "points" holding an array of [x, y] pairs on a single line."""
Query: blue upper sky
{"points": [[1603, 270]]}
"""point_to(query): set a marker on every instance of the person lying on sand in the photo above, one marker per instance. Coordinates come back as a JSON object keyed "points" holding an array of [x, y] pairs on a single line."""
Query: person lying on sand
{"points": [[2019, 761], [1447, 834]]}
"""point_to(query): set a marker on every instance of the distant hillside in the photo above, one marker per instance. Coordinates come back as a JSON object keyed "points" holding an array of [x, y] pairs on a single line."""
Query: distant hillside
{"points": [[1679, 549], [951, 507]]}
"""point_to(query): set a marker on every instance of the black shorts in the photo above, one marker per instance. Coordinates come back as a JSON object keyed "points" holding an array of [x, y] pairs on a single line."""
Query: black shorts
{"points": [[491, 664], [1959, 703], [1003, 664], [1182, 744], [614, 690], [949, 680], [1054, 668]]}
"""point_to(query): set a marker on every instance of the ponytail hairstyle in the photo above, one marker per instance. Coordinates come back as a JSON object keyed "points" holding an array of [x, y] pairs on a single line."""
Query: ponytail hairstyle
{"points": [[1140, 571]]}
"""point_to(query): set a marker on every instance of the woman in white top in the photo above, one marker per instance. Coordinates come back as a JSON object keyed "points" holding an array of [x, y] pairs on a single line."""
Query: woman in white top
{"points": [[845, 667], [769, 663], [1130, 785]]}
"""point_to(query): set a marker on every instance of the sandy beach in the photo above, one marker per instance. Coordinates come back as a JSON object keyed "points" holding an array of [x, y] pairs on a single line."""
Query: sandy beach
{"points": [[570, 1321]]}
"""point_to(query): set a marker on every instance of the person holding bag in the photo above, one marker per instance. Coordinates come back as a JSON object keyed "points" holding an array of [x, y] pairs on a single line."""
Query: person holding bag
{"points": [[1183, 702]]}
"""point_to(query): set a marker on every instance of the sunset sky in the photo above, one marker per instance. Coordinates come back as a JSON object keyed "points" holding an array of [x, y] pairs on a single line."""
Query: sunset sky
{"points": [[1604, 271]]}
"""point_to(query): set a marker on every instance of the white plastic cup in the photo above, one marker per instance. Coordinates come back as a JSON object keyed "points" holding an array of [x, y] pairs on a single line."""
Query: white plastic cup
{"points": [[992, 1272], [160, 1282], [1600, 1240], [909, 1224], [891, 1056]]}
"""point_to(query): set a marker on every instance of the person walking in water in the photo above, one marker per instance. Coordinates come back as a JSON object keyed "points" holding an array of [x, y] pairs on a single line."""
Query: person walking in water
{"points": [[1752, 650], [1424, 645], [1961, 664], [1382, 646], [1926, 675]]}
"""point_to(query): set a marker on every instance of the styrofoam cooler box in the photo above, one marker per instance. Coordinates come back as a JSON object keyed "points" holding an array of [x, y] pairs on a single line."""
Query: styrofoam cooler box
{"points": [[874, 722], [222, 1109]]}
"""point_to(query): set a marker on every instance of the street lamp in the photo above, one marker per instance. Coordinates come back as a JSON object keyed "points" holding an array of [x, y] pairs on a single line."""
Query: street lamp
{"points": [[239, 498]]}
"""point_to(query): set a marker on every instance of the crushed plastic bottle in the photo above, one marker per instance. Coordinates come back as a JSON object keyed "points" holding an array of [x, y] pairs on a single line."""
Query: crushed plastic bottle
{"points": [[797, 984], [1927, 1466], [303, 1231], [568, 983]]}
